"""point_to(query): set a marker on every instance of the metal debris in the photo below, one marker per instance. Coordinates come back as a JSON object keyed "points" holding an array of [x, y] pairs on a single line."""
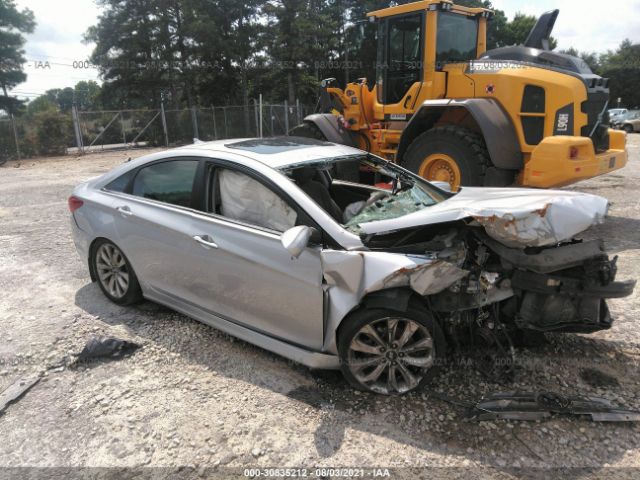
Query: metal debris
{"points": [[107, 348], [16, 390], [541, 405]]}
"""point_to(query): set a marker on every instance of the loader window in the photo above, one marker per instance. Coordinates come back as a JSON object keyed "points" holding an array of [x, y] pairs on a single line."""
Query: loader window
{"points": [[403, 61], [457, 38]]}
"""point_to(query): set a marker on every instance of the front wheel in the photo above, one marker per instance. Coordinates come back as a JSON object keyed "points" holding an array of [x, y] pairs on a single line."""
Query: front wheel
{"points": [[388, 352], [628, 128], [449, 154], [116, 277]]}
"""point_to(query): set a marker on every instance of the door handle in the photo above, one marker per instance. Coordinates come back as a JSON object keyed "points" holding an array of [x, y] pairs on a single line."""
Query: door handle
{"points": [[205, 240], [124, 211]]}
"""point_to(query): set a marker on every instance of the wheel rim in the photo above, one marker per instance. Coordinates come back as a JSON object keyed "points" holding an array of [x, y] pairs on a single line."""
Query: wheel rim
{"points": [[112, 270], [391, 355], [442, 168]]}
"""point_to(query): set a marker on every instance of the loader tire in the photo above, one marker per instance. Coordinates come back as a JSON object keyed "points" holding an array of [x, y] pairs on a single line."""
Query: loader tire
{"points": [[450, 154]]}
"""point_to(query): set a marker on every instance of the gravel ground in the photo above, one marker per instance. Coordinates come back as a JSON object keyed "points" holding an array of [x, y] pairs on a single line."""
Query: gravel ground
{"points": [[198, 401]]}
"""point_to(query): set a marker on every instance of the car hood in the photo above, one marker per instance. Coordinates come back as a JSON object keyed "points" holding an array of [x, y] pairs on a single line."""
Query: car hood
{"points": [[516, 217]]}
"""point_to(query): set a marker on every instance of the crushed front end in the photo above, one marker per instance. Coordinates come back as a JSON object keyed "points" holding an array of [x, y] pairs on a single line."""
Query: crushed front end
{"points": [[554, 288]]}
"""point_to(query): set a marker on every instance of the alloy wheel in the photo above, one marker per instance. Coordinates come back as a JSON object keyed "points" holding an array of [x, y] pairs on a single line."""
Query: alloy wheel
{"points": [[112, 270], [391, 355]]}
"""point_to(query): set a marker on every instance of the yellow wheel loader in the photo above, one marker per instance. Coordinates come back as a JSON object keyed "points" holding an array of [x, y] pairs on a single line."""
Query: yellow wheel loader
{"points": [[448, 109]]}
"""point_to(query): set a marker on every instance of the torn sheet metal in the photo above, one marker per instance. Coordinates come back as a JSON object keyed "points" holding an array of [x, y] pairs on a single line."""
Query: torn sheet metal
{"points": [[351, 275], [516, 217], [541, 405], [16, 390]]}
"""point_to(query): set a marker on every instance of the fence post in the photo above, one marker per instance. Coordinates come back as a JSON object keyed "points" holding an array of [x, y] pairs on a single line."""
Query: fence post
{"points": [[15, 135], [215, 128], [164, 124], [124, 134], [76, 128], [260, 113], [255, 111], [226, 130], [194, 122], [299, 117], [286, 118], [271, 119]]}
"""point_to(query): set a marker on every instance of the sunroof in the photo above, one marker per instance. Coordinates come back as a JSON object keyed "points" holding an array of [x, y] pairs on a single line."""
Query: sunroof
{"points": [[276, 144]]}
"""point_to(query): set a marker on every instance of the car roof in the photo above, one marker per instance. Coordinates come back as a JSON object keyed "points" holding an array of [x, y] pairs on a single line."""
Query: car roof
{"points": [[277, 152]]}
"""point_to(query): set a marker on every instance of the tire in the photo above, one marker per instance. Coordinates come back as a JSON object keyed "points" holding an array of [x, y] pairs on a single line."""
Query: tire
{"points": [[307, 130], [628, 128], [114, 273], [431, 153], [356, 344]]}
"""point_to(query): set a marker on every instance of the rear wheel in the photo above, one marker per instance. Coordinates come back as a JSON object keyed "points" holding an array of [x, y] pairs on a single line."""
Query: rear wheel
{"points": [[116, 277], [388, 352], [449, 154]]}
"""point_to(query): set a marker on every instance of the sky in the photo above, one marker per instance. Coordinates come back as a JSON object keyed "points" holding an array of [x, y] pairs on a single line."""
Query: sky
{"points": [[587, 25]]}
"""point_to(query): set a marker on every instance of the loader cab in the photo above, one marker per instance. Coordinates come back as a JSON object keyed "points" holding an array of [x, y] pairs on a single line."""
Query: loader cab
{"points": [[416, 41]]}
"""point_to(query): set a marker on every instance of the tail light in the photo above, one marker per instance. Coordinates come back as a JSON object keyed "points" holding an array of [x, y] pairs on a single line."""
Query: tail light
{"points": [[74, 203]]}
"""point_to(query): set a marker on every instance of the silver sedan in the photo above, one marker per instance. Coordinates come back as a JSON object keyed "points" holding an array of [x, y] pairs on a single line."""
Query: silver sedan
{"points": [[335, 258]]}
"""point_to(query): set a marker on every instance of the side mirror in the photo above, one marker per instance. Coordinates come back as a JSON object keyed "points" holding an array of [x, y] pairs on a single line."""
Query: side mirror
{"points": [[296, 239]]}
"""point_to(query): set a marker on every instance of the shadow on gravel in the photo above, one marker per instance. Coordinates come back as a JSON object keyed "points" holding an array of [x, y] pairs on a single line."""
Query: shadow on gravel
{"points": [[619, 234], [419, 420]]}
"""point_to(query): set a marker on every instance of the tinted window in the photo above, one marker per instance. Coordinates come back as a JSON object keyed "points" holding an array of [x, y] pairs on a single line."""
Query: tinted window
{"points": [[404, 62], [120, 183], [457, 38], [170, 182]]}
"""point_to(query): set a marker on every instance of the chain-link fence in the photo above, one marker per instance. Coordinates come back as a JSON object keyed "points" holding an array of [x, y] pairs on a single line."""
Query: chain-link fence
{"points": [[54, 133]]}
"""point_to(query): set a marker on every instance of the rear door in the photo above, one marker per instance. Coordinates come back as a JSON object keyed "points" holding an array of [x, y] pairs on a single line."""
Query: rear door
{"points": [[153, 217], [241, 270]]}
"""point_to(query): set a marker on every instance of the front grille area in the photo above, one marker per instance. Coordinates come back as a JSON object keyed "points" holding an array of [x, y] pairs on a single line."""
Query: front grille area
{"points": [[593, 107]]}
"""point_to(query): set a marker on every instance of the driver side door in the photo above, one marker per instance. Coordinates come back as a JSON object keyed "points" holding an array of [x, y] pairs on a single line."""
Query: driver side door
{"points": [[243, 272]]}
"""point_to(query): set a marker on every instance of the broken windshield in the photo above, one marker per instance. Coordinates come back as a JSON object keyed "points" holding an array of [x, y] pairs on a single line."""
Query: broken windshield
{"points": [[357, 189]]}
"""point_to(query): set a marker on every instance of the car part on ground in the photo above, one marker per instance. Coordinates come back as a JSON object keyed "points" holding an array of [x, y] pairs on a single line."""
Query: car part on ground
{"points": [[16, 390], [483, 263], [110, 348], [533, 406]]}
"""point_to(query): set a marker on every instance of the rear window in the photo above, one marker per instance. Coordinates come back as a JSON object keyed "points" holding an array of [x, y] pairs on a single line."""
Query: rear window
{"points": [[169, 182]]}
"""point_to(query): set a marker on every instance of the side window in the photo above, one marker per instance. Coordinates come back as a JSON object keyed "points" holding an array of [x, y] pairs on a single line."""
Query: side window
{"points": [[240, 197], [120, 183], [169, 182], [404, 56]]}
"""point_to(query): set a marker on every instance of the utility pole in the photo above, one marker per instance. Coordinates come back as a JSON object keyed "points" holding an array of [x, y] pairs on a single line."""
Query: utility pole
{"points": [[13, 122]]}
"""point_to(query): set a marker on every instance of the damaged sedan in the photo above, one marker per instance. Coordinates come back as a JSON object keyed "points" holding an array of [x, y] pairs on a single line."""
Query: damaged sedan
{"points": [[335, 258]]}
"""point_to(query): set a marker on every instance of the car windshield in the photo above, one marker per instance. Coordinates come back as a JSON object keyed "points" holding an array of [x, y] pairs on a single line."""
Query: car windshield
{"points": [[358, 189]]}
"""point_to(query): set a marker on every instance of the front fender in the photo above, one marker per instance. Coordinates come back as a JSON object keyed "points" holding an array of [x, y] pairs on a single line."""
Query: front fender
{"points": [[493, 122]]}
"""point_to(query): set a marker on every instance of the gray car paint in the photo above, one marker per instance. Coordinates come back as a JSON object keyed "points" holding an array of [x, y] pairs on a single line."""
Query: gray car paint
{"points": [[261, 294]]}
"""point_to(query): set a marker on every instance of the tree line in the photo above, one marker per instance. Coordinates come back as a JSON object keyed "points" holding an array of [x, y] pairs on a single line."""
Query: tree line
{"points": [[222, 52]]}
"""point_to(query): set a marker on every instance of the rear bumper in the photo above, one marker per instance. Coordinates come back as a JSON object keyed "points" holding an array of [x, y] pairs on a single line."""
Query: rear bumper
{"points": [[550, 165]]}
